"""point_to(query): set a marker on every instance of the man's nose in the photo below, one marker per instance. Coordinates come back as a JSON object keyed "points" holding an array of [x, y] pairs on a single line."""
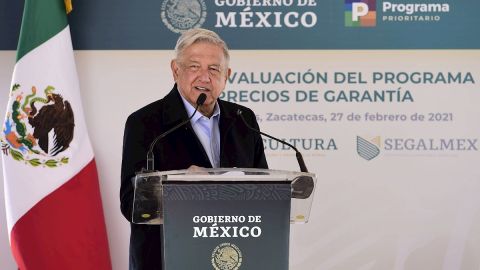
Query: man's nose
{"points": [[203, 75]]}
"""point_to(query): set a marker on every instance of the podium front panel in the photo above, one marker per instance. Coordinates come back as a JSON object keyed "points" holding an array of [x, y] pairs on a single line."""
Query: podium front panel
{"points": [[226, 225]]}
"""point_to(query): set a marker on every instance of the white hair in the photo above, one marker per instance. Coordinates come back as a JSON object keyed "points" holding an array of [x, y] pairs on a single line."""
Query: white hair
{"points": [[196, 35]]}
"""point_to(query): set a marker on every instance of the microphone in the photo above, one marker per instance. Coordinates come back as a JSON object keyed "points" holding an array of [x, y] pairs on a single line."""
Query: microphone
{"points": [[302, 186], [301, 163], [150, 157]]}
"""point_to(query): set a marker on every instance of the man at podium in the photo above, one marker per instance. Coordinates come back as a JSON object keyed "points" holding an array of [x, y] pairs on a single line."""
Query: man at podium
{"points": [[214, 136]]}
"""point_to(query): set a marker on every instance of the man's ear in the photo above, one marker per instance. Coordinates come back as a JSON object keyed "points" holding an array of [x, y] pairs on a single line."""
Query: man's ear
{"points": [[174, 66]]}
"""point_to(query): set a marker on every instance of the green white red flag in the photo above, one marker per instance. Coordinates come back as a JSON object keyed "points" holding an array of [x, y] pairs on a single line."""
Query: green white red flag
{"points": [[54, 209]]}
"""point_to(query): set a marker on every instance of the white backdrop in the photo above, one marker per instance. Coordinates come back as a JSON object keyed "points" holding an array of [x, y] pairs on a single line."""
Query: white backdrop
{"points": [[405, 209]]}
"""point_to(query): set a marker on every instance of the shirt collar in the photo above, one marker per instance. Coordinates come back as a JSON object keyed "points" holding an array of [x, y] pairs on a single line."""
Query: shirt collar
{"points": [[190, 109]]}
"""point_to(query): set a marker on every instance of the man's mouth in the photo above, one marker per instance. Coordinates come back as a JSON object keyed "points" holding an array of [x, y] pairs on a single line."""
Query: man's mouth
{"points": [[201, 88]]}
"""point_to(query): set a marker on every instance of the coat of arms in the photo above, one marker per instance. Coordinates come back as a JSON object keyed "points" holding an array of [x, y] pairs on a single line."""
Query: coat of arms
{"points": [[38, 127]]}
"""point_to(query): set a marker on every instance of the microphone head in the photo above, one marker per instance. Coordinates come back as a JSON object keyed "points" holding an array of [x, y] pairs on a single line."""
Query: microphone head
{"points": [[302, 187], [201, 99]]}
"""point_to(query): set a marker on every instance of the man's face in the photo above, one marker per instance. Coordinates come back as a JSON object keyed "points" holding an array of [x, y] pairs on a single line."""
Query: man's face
{"points": [[202, 68]]}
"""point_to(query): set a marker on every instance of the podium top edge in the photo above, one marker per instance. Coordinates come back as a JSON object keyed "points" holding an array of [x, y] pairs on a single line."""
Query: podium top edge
{"points": [[231, 171]]}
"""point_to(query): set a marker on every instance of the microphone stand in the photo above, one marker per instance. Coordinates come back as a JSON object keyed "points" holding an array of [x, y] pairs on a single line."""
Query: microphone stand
{"points": [[299, 156], [150, 156], [302, 186]]}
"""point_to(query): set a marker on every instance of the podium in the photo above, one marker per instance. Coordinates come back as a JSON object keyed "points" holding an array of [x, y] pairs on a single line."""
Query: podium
{"points": [[226, 218]]}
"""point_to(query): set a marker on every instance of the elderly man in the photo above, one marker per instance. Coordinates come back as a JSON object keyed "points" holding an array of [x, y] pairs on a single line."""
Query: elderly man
{"points": [[215, 137]]}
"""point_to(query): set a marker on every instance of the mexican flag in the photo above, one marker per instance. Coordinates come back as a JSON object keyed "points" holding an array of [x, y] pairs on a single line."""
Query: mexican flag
{"points": [[54, 210]]}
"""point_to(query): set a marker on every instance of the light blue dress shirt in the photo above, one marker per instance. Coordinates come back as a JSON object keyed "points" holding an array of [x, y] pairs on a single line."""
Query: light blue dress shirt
{"points": [[207, 131]]}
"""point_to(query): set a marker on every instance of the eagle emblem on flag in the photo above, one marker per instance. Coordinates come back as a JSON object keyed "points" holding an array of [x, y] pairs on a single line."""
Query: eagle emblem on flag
{"points": [[38, 127]]}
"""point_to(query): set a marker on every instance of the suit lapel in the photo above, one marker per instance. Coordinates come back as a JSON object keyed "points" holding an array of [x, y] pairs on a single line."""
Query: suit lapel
{"points": [[227, 120], [173, 114]]}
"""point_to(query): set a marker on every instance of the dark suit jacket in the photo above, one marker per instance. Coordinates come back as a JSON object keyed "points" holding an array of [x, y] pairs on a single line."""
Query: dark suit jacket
{"points": [[239, 147]]}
